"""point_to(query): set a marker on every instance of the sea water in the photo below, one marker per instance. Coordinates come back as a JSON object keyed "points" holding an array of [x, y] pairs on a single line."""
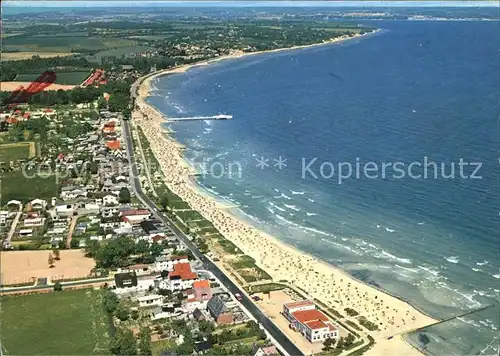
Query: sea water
{"points": [[417, 91]]}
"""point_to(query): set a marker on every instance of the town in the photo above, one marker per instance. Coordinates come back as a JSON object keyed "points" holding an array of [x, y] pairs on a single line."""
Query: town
{"points": [[97, 251]]}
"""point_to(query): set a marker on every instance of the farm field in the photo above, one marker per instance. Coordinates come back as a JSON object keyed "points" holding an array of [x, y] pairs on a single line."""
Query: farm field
{"points": [[117, 52], [25, 187], [62, 44], [17, 151], [70, 322], [12, 86], [62, 78], [21, 266]]}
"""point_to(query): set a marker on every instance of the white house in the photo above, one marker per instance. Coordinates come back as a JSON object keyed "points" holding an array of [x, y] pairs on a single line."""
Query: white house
{"points": [[150, 300], [26, 233], [65, 210], [110, 199], [164, 263], [38, 221], [38, 204]]}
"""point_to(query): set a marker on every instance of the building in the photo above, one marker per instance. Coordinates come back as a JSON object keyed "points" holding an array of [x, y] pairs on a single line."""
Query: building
{"points": [[126, 280], [290, 308], [181, 277], [219, 311], [163, 263], [202, 290], [310, 322], [135, 216], [264, 351], [137, 269]]}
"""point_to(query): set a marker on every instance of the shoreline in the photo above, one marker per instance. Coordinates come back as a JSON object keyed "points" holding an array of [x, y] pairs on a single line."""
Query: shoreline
{"points": [[277, 258]]}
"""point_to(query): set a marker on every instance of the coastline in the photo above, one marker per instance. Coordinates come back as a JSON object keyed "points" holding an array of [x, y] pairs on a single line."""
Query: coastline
{"points": [[325, 282]]}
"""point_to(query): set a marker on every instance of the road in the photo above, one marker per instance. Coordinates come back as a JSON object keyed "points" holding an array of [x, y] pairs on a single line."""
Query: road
{"points": [[264, 321]]}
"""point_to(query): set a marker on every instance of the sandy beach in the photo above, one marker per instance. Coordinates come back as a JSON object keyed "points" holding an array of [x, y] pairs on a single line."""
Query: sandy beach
{"points": [[327, 283]]}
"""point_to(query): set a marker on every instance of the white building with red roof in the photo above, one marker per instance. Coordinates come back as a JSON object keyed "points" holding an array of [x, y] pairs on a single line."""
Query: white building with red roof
{"points": [[181, 278], [135, 216], [310, 322]]}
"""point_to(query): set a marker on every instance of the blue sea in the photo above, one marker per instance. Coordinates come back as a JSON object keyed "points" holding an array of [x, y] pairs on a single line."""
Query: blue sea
{"points": [[413, 111]]}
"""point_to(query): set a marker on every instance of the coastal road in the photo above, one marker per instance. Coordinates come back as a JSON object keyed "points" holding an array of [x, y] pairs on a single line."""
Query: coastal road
{"points": [[283, 341]]}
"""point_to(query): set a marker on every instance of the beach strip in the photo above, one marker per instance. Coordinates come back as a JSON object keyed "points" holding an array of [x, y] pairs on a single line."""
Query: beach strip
{"points": [[324, 282]]}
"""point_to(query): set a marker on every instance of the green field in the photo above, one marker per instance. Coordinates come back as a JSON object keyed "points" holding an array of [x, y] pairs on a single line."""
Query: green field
{"points": [[26, 187], [117, 52], [64, 78], [57, 323], [63, 43], [14, 152]]}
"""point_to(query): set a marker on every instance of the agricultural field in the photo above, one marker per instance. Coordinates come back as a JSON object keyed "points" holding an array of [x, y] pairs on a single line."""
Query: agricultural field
{"points": [[17, 151], [18, 267], [70, 322], [24, 187], [62, 44], [63, 78], [117, 52]]}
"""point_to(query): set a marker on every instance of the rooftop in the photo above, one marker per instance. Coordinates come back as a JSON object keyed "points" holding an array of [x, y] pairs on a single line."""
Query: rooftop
{"points": [[182, 270], [305, 316], [201, 284]]}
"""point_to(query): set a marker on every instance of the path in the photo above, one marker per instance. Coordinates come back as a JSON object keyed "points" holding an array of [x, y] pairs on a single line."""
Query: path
{"points": [[146, 166], [70, 232], [13, 228]]}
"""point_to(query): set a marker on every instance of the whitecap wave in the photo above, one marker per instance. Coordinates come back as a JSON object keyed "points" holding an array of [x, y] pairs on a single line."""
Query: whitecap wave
{"points": [[293, 207], [391, 256], [389, 230], [270, 210], [316, 231], [282, 196], [482, 263], [296, 193], [276, 206], [477, 269], [311, 214], [452, 259], [497, 276]]}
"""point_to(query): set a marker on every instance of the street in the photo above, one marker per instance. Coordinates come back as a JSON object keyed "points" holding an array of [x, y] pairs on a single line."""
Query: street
{"points": [[264, 321]]}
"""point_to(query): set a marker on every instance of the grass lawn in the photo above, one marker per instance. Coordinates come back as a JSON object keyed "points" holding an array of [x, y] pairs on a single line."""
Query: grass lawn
{"points": [[265, 288], [57, 323], [158, 347], [63, 78], [16, 151], [15, 185]]}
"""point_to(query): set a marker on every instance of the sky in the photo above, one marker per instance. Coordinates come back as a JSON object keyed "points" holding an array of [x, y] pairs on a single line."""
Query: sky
{"points": [[262, 3]]}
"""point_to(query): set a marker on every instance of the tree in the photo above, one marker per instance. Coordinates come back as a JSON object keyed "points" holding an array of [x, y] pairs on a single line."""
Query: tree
{"points": [[124, 343], [75, 243], [58, 287], [340, 343], [328, 344], [164, 202], [156, 249], [135, 314], [145, 341], [124, 195], [122, 312], [57, 254], [110, 301], [51, 261], [93, 168], [142, 247]]}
